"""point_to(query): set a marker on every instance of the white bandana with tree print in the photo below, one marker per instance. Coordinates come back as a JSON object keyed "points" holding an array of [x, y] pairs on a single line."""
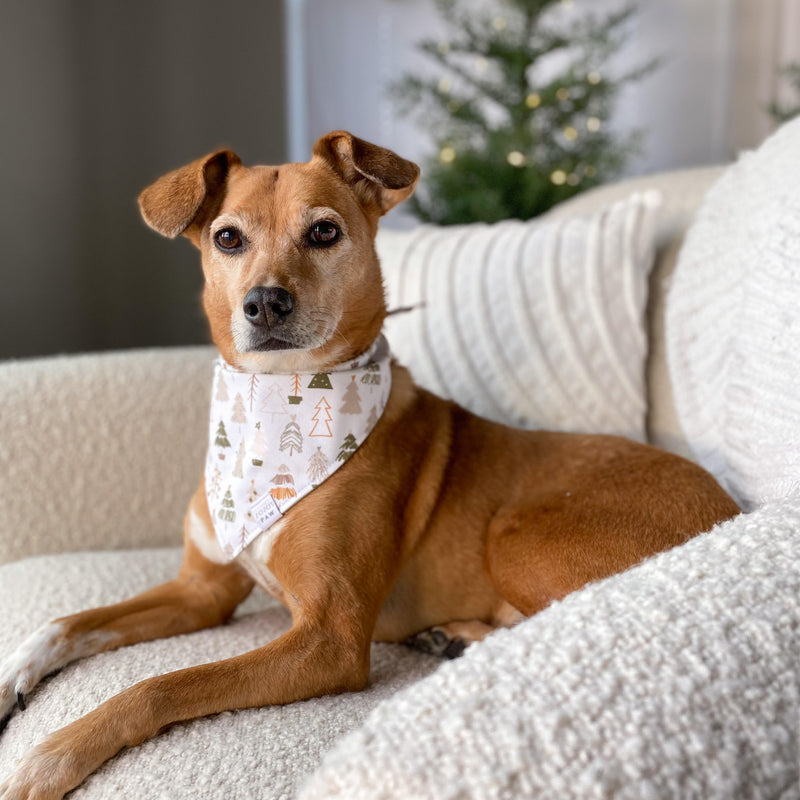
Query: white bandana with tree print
{"points": [[275, 437]]}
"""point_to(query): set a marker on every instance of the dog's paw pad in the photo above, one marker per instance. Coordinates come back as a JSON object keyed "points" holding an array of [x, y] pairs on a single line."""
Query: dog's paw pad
{"points": [[436, 642]]}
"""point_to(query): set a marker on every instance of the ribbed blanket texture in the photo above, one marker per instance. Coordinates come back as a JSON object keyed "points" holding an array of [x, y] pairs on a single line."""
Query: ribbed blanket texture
{"points": [[733, 324]]}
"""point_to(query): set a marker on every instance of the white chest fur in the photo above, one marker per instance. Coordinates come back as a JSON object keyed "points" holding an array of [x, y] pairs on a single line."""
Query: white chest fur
{"points": [[255, 559]]}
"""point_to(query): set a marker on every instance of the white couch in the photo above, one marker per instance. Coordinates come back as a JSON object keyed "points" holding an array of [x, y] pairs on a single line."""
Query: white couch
{"points": [[678, 679]]}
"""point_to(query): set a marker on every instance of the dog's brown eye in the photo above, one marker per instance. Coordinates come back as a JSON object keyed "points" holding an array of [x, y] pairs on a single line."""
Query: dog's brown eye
{"points": [[323, 232], [228, 239]]}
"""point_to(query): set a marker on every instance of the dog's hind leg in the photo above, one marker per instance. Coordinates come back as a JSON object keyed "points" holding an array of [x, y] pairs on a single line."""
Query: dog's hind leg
{"points": [[204, 594]]}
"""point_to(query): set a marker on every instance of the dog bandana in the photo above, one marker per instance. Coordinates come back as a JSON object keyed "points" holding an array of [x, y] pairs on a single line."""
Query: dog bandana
{"points": [[275, 437]]}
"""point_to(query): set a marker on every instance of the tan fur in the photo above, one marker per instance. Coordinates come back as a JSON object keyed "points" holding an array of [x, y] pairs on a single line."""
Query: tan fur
{"points": [[461, 523]]}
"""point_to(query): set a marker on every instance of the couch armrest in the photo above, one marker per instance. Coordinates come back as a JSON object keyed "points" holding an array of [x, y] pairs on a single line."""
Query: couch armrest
{"points": [[100, 451]]}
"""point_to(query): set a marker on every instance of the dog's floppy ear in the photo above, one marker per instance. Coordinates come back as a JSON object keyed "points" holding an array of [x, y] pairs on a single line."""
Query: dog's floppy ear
{"points": [[176, 200], [379, 177]]}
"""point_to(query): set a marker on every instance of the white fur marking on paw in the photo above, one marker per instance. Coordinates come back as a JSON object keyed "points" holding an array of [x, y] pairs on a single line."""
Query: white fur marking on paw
{"points": [[44, 651]]}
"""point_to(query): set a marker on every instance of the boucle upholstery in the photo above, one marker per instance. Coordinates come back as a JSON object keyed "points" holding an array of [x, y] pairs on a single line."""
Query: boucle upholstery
{"points": [[258, 753], [676, 679], [81, 437]]}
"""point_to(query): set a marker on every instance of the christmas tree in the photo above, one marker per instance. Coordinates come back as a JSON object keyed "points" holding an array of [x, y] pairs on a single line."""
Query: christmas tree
{"points": [[292, 438], [349, 446], [322, 418], [227, 511], [239, 415], [320, 381], [237, 470], [259, 447], [222, 390], [372, 374], [222, 438], [351, 403], [253, 388], [283, 481], [317, 469], [519, 110], [295, 397]]}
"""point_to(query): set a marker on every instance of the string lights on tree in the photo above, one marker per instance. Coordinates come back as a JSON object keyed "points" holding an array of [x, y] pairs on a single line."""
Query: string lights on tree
{"points": [[518, 107]]}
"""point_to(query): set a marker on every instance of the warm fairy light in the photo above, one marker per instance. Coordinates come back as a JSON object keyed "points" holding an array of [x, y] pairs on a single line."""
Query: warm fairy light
{"points": [[515, 158], [573, 179], [570, 133], [558, 177], [533, 100], [499, 23], [447, 155], [563, 93], [443, 48], [593, 124], [589, 171], [481, 64], [594, 77], [445, 85]]}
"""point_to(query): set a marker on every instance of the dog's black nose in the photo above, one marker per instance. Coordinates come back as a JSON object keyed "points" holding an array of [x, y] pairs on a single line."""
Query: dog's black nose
{"points": [[267, 307]]}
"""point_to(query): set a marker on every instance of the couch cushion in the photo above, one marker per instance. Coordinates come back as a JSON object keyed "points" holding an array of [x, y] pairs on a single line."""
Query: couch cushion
{"points": [[733, 328], [535, 324], [675, 679], [262, 753], [101, 451]]}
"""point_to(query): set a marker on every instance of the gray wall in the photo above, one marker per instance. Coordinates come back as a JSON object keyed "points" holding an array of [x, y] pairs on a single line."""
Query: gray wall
{"points": [[100, 97]]}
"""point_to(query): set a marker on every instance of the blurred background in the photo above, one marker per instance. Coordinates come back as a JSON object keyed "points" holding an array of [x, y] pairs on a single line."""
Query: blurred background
{"points": [[103, 96]]}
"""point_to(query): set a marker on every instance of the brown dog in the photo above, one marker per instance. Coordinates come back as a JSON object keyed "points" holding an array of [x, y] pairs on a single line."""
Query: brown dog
{"points": [[457, 522]]}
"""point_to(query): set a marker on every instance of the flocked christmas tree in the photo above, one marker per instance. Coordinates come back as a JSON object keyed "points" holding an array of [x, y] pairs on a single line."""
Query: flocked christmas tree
{"points": [[519, 108]]}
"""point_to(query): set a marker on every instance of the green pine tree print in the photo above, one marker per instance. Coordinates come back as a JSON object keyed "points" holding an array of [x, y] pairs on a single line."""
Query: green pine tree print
{"points": [[227, 512], [372, 374], [349, 446], [222, 440], [320, 381]]}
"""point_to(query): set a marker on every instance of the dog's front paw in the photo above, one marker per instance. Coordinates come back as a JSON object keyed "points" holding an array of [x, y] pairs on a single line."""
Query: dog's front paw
{"points": [[27, 665], [43, 774]]}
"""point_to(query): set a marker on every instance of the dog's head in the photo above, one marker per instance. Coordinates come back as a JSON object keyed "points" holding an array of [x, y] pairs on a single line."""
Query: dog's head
{"points": [[292, 281]]}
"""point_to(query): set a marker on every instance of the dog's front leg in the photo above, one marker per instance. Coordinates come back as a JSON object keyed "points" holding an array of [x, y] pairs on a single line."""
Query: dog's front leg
{"points": [[308, 661], [203, 594]]}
